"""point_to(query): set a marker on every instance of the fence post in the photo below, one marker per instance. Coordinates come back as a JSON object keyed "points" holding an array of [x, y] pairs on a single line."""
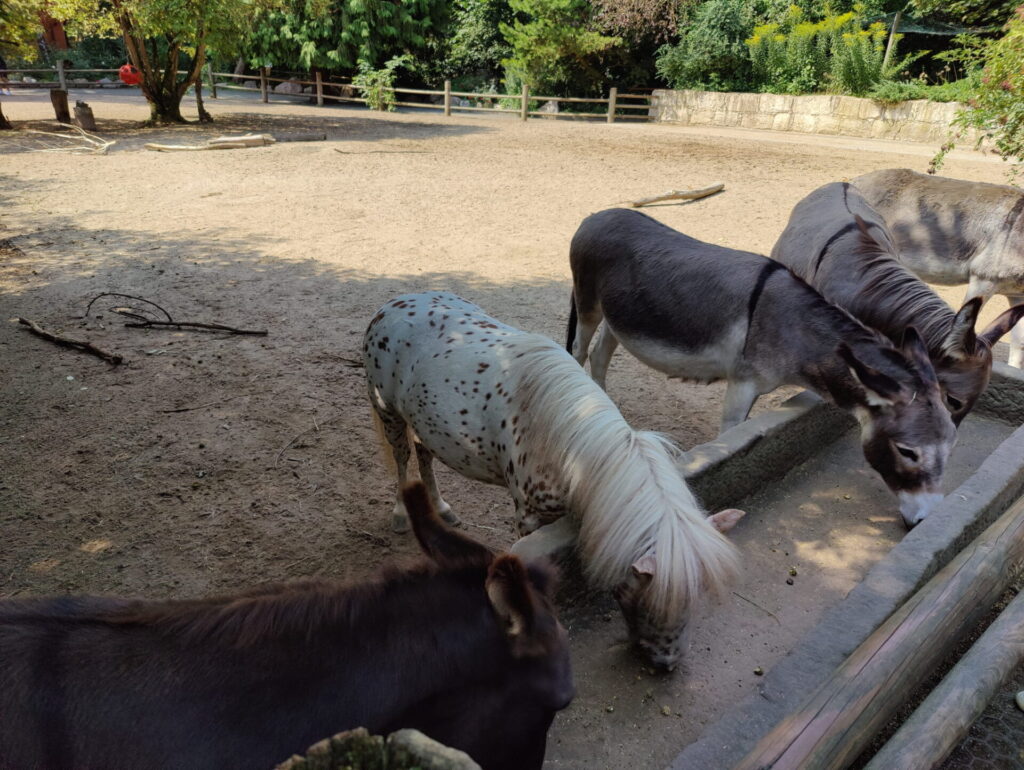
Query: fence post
{"points": [[524, 108], [613, 94], [319, 89], [209, 77], [447, 98], [59, 96], [263, 84], [892, 38]]}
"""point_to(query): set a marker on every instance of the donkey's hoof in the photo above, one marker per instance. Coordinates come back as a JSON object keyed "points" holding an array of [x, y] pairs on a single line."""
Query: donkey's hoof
{"points": [[399, 523], [446, 513]]}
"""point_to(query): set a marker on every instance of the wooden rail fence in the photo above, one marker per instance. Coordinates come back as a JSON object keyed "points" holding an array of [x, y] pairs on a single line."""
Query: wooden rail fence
{"points": [[616, 106]]}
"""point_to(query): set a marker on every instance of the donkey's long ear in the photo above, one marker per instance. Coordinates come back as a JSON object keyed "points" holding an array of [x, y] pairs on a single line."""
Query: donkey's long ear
{"points": [[879, 388], [508, 588], [916, 351], [961, 341], [440, 542], [1006, 321]]}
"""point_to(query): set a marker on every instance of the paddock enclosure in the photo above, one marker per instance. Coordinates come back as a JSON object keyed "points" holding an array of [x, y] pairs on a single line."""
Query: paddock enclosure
{"points": [[209, 462]]}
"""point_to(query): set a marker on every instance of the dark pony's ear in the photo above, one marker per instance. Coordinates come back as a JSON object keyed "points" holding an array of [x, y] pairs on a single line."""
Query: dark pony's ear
{"points": [[916, 351], [879, 388], [509, 589], [446, 546], [1006, 321], [961, 340]]}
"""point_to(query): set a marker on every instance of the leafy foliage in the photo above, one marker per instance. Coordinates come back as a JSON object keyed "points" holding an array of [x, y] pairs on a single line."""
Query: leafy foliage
{"points": [[997, 108], [477, 45], [377, 82], [556, 48], [338, 34], [638, 20], [711, 53], [974, 13]]}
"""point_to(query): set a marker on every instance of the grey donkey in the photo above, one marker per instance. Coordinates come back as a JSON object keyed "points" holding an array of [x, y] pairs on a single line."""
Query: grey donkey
{"points": [[842, 247], [702, 312], [951, 231]]}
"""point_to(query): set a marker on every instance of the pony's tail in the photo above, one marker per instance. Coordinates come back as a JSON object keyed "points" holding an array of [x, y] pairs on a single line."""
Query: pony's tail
{"points": [[387, 455], [570, 333]]}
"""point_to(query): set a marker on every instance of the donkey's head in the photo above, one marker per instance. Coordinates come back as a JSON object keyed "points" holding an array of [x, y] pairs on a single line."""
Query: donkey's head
{"points": [[529, 681], [661, 636], [906, 430], [964, 364]]}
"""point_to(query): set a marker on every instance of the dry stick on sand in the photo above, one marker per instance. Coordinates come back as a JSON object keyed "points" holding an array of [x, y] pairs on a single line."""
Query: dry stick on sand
{"points": [[84, 345], [144, 323], [315, 428], [686, 195], [219, 143]]}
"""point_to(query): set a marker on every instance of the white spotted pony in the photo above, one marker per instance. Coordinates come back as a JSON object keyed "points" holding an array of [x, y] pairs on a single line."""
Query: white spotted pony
{"points": [[507, 407]]}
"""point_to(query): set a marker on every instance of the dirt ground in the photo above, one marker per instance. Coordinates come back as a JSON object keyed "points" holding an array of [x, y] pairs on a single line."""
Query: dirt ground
{"points": [[212, 462]]}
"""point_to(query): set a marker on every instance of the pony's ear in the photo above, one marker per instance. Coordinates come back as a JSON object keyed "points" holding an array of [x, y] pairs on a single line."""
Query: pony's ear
{"points": [[1006, 321], [725, 520], [508, 588], [916, 351], [961, 340], [440, 542], [879, 389]]}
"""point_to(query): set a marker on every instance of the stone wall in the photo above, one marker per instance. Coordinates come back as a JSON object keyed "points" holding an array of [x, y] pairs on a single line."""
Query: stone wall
{"points": [[916, 121]]}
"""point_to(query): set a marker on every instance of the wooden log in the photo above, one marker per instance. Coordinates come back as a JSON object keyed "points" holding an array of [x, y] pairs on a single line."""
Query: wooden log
{"points": [[841, 718], [687, 195], [84, 117], [264, 87], [220, 143], [59, 100], [613, 92], [943, 719]]}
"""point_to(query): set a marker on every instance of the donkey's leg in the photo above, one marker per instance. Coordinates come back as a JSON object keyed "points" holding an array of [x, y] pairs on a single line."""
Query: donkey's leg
{"points": [[586, 325], [1016, 336], [396, 432], [740, 396], [425, 459], [602, 355]]}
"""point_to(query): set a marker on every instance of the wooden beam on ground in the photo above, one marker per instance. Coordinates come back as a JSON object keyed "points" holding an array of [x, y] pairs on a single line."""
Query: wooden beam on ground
{"points": [[685, 195], [842, 717], [945, 716]]}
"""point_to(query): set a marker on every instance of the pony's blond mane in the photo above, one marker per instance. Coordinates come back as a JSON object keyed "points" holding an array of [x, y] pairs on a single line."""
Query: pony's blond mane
{"points": [[624, 486]]}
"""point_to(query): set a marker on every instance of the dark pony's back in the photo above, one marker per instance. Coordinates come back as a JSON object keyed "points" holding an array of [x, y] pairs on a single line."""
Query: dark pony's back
{"points": [[249, 679]]}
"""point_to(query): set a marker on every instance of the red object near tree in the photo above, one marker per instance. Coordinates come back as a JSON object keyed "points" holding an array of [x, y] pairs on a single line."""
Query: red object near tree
{"points": [[129, 74]]}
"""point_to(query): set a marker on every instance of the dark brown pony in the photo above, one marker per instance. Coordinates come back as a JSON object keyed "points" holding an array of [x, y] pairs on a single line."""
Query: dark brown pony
{"points": [[465, 648]]}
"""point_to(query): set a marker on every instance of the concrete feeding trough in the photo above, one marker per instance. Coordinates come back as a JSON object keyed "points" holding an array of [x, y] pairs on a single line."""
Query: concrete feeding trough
{"points": [[826, 560]]}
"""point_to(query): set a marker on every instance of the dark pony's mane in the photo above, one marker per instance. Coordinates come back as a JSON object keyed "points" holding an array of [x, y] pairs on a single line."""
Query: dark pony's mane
{"points": [[274, 611], [906, 299]]}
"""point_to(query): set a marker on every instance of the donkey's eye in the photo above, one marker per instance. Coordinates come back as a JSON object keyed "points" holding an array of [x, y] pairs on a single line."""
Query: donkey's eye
{"points": [[907, 452], [954, 403]]}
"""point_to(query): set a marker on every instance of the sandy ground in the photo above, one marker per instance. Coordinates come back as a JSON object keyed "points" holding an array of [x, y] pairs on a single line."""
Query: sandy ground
{"points": [[211, 462]]}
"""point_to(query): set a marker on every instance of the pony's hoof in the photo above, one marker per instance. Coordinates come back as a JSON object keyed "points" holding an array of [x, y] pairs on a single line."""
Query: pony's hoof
{"points": [[399, 523], [451, 518]]}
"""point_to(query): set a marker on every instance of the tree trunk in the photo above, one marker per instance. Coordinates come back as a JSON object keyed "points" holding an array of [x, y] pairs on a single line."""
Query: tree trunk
{"points": [[5, 125], [204, 116]]}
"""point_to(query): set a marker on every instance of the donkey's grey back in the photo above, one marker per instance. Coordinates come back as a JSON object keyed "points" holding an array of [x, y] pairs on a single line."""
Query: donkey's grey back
{"points": [[946, 229]]}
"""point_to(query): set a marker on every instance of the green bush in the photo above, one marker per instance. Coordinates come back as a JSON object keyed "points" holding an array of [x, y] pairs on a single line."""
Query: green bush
{"points": [[376, 83], [711, 53]]}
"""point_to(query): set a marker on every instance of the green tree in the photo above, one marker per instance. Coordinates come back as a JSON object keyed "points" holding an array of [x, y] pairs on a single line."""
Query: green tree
{"points": [[343, 34], [711, 52], [161, 37], [556, 47], [997, 109], [476, 45]]}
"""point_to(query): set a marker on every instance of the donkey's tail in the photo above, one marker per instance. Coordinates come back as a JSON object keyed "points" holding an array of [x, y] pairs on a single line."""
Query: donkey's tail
{"points": [[570, 333]]}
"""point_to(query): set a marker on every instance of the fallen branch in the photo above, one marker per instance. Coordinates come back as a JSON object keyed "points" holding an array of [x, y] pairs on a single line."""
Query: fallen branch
{"points": [[142, 322], [202, 406], [384, 152], [84, 345], [688, 195], [91, 143], [219, 143], [315, 428]]}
